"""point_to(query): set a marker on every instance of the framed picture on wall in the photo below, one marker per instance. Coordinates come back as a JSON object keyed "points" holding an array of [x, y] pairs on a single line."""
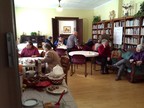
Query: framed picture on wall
{"points": [[67, 29]]}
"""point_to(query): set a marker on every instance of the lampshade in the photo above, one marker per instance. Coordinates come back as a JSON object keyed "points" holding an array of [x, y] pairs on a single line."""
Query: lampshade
{"points": [[59, 8]]}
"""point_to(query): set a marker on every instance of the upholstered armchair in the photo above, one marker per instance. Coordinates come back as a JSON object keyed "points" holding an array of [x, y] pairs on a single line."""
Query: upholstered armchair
{"points": [[135, 73]]}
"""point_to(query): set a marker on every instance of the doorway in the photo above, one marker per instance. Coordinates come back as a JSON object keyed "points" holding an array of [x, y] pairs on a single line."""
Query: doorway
{"points": [[65, 26]]}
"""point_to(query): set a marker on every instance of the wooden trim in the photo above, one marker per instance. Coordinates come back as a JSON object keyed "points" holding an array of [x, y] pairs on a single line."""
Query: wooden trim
{"points": [[66, 18]]}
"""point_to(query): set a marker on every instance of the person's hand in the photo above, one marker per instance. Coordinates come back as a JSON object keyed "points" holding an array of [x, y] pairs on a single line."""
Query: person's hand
{"points": [[79, 47], [138, 63], [104, 45], [108, 58], [131, 60], [34, 56]]}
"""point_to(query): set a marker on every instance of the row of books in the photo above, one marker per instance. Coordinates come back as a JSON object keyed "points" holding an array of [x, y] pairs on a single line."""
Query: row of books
{"points": [[131, 40], [94, 32], [119, 24], [129, 46], [143, 22], [108, 31], [132, 31], [109, 25], [95, 36], [117, 46], [94, 27], [100, 31], [134, 22], [142, 31], [100, 26]]}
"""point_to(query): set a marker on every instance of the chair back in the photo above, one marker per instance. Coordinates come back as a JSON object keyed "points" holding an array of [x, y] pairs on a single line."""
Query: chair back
{"points": [[65, 63], [61, 52], [42, 54]]}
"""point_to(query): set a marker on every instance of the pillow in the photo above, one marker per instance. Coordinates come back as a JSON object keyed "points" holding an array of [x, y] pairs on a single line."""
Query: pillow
{"points": [[127, 55], [116, 54]]}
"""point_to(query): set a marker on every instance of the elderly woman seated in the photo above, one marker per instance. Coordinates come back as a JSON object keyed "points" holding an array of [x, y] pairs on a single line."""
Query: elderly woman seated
{"points": [[137, 57], [59, 42], [104, 56], [30, 50], [51, 57]]}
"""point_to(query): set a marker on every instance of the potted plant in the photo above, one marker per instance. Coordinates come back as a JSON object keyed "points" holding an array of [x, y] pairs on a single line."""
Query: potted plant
{"points": [[96, 19]]}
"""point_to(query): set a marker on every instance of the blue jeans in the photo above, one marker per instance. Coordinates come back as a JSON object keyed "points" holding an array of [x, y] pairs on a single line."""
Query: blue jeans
{"points": [[122, 64]]}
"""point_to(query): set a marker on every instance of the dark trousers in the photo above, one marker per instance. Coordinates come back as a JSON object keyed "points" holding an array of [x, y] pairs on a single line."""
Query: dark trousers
{"points": [[104, 63]]}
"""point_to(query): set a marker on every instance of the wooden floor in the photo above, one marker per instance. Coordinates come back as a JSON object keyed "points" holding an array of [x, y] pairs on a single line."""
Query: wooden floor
{"points": [[102, 91]]}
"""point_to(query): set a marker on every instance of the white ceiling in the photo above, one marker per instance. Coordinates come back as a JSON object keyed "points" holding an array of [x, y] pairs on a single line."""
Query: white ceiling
{"points": [[69, 4]]}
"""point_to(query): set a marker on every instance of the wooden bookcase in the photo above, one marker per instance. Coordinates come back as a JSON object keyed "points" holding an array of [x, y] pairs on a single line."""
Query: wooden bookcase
{"points": [[142, 31], [108, 26], [132, 31], [97, 30]]}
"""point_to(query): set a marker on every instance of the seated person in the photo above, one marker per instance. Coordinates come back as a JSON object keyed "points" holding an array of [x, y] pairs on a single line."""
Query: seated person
{"points": [[51, 57], [104, 56], [88, 46], [30, 50], [137, 57], [115, 55], [49, 41], [60, 41]]}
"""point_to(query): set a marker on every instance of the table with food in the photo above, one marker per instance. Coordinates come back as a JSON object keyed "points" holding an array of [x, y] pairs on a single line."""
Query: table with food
{"points": [[47, 90]]}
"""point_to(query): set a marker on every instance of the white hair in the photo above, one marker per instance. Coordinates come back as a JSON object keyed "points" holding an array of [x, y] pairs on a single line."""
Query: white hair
{"points": [[104, 40], [139, 46]]}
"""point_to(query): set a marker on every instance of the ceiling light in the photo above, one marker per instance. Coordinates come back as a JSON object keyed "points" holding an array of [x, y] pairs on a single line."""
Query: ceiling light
{"points": [[59, 8]]}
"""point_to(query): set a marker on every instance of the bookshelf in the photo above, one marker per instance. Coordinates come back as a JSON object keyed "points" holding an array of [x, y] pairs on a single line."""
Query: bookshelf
{"points": [[142, 31], [132, 30], [97, 30]]}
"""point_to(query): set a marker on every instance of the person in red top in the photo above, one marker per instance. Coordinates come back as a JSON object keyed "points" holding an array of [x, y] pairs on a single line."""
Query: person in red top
{"points": [[104, 56], [30, 50]]}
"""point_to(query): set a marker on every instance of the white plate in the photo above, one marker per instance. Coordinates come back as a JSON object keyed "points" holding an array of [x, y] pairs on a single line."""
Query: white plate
{"points": [[30, 102], [58, 90]]}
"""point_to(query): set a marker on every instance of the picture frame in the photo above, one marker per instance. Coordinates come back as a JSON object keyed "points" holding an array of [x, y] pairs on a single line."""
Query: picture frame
{"points": [[66, 29]]}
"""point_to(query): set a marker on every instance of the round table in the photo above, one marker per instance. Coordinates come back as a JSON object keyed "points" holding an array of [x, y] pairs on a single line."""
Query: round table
{"points": [[90, 54], [85, 53], [29, 65]]}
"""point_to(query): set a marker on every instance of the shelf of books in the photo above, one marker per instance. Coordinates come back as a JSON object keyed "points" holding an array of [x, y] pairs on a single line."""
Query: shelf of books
{"points": [[132, 30], [97, 30]]}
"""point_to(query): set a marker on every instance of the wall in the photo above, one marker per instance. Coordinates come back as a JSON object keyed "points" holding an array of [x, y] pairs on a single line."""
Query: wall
{"points": [[135, 3], [104, 10], [40, 19], [116, 5]]}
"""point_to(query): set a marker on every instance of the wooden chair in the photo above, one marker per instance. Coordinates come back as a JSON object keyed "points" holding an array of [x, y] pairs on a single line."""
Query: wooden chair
{"points": [[65, 63], [78, 59]]}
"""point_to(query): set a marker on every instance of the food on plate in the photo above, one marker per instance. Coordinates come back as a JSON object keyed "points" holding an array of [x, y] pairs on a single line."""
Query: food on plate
{"points": [[30, 61], [48, 105], [53, 87]]}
